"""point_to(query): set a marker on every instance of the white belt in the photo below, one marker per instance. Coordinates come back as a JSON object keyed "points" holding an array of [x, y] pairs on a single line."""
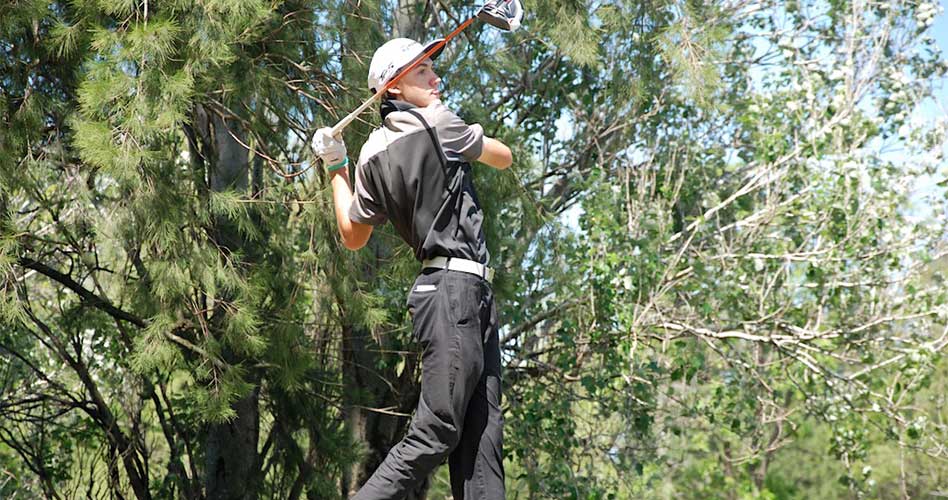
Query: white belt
{"points": [[463, 265]]}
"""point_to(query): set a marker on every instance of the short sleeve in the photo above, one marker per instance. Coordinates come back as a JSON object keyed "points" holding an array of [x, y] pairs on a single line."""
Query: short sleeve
{"points": [[366, 205], [460, 141]]}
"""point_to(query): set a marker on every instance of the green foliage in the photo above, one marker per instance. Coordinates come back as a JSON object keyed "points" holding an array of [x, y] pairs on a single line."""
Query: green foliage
{"points": [[714, 278]]}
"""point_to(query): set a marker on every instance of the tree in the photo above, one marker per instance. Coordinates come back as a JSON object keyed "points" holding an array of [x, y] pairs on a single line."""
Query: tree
{"points": [[745, 260], [137, 258]]}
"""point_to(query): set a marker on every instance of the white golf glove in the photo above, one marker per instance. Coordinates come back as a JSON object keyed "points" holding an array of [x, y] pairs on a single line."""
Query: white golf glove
{"points": [[330, 149]]}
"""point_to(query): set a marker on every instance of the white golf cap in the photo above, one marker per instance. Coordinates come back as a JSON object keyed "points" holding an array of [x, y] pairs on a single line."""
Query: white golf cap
{"points": [[393, 56]]}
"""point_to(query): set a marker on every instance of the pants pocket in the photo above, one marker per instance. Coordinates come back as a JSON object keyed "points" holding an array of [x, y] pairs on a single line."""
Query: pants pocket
{"points": [[465, 295], [423, 302]]}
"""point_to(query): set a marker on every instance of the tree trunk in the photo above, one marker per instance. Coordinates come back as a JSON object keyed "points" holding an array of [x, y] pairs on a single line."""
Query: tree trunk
{"points": [[368, 388], [231, 465], [231, 452]]}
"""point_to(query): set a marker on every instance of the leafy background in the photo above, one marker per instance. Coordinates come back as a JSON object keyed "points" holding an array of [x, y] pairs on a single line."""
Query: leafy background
{"points": [[722, 248]]}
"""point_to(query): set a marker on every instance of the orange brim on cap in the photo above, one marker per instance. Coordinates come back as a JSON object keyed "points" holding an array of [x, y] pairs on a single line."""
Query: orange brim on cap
{"points": [[431, 44]]}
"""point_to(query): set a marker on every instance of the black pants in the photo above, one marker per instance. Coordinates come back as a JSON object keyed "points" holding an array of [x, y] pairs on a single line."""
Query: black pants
{"points": [[458, 414]]}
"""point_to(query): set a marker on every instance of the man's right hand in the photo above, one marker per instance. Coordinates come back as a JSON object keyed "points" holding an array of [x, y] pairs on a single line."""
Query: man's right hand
{"points": [[332, 150]]}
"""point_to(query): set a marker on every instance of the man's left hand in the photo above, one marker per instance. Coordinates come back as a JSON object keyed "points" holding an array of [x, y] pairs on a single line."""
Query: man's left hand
{"points": [[332, 150]]}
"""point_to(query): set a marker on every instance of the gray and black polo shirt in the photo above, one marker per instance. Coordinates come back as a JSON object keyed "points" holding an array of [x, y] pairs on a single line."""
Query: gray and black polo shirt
{"points": [[415, 170]]}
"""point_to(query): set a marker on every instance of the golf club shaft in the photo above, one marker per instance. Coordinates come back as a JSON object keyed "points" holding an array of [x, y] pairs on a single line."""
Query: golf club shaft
{"points": [[352, 116]]}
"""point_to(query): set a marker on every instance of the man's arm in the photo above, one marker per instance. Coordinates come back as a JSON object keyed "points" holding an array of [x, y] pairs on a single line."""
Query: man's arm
{"points": [[495, 154], [332, 152], [459, 138], [354, 234]]}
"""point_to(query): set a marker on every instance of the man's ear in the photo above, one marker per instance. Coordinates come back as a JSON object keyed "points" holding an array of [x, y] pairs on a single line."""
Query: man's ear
{"points": [[395, 91]]}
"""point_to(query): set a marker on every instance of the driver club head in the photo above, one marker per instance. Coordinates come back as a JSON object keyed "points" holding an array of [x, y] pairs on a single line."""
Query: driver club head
{"points": [[502, 14]]}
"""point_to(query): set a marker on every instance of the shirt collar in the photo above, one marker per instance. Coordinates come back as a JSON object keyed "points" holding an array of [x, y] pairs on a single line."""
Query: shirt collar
{"points": [[390, 105]]}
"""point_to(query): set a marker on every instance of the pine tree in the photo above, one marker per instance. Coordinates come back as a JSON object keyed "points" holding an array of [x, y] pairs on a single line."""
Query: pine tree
{"points": [[157, 258]]}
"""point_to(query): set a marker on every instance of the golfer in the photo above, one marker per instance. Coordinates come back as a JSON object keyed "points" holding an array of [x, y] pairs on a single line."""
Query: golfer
{"points": [[415, 171]]}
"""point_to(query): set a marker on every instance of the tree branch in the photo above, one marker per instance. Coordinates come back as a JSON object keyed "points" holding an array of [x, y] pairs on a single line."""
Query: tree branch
{"points": [[87, 296]]}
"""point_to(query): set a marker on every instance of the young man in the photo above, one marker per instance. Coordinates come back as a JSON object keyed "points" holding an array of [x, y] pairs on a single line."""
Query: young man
{"points": [[415, 171]]}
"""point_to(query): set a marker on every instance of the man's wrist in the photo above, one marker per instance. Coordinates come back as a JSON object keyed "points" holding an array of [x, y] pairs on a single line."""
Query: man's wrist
{"points": [[339, 166]]}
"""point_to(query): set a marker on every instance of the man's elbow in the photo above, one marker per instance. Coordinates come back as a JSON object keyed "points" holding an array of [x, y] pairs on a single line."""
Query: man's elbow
{"points": [[356, 236], [353, 241], [505, 161], [501, 160], [495, 154], [351, 244]]}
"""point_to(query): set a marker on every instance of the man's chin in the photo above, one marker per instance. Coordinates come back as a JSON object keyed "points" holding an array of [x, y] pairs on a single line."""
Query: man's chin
{"points": [[432, 99]]}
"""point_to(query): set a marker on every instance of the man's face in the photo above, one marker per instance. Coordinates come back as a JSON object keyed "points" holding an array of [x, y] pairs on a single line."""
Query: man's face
{"points": [[419, 86]]}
